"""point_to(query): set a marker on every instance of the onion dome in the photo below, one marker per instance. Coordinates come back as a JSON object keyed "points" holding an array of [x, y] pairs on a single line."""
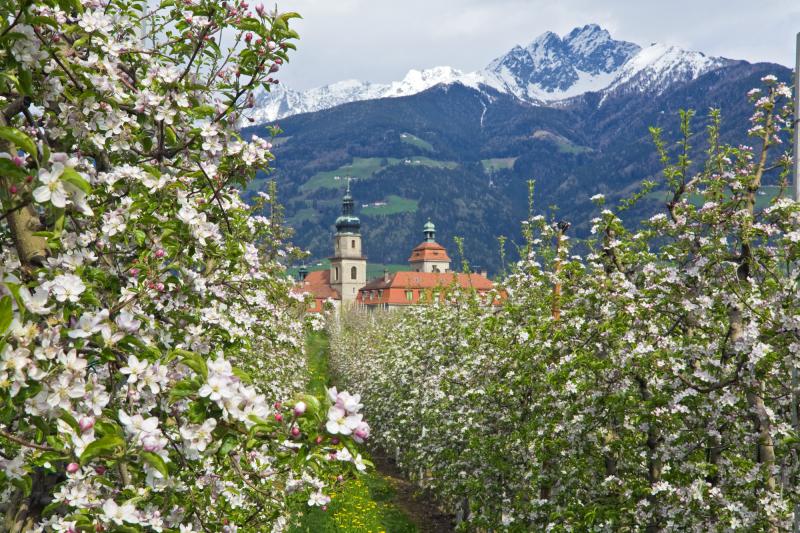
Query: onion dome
{"points": [[348, 222]]}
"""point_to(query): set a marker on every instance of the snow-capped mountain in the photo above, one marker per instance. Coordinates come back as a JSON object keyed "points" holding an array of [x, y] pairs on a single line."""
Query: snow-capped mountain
{"points": [[282, 102], [549, 70]]}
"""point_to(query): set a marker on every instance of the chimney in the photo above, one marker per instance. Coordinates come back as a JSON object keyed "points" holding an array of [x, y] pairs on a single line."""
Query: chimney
{"points": [[385, 276]]}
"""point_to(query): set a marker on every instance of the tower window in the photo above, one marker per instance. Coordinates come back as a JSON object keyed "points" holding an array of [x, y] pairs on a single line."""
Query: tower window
{"points": [[354, 273], [353, 243], [336, 273]]}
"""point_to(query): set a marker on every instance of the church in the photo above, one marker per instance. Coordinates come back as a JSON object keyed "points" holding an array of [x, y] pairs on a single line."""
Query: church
{"points": [[345, 284]]}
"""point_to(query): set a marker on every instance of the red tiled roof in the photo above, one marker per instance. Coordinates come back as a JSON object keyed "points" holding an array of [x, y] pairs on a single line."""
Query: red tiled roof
{"points": [[317, 283], [429, 280], [429, 251]]}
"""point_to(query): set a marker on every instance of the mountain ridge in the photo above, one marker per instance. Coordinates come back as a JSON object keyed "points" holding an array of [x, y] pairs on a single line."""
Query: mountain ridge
{"points": [[548, 71]]}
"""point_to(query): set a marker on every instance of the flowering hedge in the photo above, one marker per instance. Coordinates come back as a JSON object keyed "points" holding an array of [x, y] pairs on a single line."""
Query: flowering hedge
{"points": [[151, 357], [648, 383]]}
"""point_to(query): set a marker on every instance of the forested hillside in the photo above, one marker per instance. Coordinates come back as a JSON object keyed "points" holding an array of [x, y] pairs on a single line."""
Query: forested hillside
{"points": [[463, 157]]}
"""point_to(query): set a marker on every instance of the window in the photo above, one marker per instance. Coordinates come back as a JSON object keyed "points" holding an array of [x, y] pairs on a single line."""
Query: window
{"points": [[435, 268], [336, 273], [353, 243], [380, 293], [410, 296], [354, 272]]}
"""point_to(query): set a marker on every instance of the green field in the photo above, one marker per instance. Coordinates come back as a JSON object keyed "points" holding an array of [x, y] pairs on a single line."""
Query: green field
{"points": [[498, 163], [413, 140], [361, 167], [394, 205], [564, 145], [365, 168]]}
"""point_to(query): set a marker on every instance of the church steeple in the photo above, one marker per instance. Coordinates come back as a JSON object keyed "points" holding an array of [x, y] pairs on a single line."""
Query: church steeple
{"points": [[430, 231], [348, 222], [348, 265]]}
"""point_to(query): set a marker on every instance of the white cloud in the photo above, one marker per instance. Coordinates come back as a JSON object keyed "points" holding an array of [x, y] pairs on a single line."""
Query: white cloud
{"points": [[380, 40]]}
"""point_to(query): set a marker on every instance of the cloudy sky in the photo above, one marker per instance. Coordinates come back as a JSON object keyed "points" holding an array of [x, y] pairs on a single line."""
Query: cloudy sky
{"points": [[380, 40]]}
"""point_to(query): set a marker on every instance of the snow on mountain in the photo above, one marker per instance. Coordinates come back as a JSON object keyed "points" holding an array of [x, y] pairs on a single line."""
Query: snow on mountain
{"points": [[658, 66], [281, 102], [550, 69]]}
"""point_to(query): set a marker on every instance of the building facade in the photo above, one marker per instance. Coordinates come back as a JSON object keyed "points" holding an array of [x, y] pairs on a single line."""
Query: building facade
{"points": [[345, 283]]}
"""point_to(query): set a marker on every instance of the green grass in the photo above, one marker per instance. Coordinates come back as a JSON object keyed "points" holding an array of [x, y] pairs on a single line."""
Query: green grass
{"points": [[361, 167], [364, 168], [498, 163], [365, 504], [394, 205], [416, 141], [564, 145]]}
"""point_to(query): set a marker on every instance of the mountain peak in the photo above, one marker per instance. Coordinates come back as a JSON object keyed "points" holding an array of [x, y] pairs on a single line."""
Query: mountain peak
{"points": [[551, 65], [549, 69]]}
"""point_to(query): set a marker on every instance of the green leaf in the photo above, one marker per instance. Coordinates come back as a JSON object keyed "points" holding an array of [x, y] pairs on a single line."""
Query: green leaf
{"points": [[19, 139], [104, 446], [241, 374], [182, 389], [157, 462], [229, 442], [6, 314], [71, 176], [7, 168], [193, 361], [25, 484], [26, 84]]}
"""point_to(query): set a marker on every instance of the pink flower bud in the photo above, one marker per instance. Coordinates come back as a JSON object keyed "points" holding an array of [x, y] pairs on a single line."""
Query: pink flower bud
{"points": [[28, 179], [279, 417], [335, 440], [13, 189], [324, 507], [134, 272], [295, 431], [274, 68], [100, 469], [73, 467], [318, 440], [17, 160], [248, 37], [277, 405], [340, 478], [86, 423], [159, 287], [299, 408], [271, 45], [160, 253]]}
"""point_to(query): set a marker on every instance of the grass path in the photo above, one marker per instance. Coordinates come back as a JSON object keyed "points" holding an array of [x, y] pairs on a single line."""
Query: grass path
{"points": [[378, 501]]}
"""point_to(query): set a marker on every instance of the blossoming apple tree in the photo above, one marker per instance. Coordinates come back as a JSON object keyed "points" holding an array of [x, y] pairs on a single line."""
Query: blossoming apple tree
{"points": [[647, 384], [151, 359]]}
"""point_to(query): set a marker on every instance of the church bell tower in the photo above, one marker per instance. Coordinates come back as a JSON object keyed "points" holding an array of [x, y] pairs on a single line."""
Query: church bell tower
{"points": [[348, 264]]}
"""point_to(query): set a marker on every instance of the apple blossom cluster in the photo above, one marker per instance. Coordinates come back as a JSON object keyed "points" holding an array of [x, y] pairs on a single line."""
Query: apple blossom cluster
{"points": [[646, 380], [152, 361]]}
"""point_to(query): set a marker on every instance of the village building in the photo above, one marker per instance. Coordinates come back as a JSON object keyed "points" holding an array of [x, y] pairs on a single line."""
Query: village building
{"points": [[345, 284]]}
